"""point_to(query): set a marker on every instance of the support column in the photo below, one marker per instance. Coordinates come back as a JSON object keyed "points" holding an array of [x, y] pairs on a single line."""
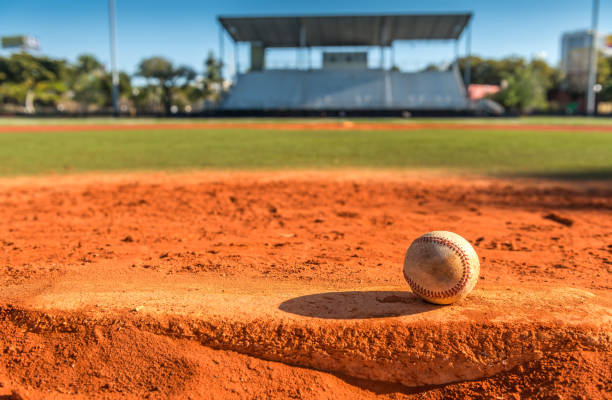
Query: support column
{"points": [[456, 56], [309, 58], [221, 49], [236, 59], [384, 31], [467, 73], [258, 57], [302, 42]]}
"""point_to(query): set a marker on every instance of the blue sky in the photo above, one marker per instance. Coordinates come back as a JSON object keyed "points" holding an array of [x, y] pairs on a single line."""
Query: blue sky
{"points": [[185, 30]]}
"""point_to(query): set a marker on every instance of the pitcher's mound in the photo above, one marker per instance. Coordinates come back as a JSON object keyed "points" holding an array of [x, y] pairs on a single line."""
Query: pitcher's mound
{"points": [[381, 333]]}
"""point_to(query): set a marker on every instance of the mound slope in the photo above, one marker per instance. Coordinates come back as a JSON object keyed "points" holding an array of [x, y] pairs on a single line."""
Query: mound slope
{"points": [[383, 334]]}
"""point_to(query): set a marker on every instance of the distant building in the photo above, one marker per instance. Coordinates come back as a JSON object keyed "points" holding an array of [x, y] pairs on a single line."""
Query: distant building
{"points": [[477, 91], [575, 50], [20, 43]]}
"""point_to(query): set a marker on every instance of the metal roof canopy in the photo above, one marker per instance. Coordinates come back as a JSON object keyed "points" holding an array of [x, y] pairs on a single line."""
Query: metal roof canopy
{"points": [[344, 30]]}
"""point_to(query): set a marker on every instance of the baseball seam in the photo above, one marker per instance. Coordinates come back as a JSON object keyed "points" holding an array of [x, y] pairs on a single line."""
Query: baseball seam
{"points": [[440, 294]]}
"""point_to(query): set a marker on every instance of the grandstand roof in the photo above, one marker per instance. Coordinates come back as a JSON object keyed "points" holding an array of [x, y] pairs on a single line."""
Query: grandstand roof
{"points": [[344, 30]]}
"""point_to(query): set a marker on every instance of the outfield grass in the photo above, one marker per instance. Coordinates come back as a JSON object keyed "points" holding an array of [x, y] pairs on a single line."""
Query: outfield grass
{"points": [[577, 154]]}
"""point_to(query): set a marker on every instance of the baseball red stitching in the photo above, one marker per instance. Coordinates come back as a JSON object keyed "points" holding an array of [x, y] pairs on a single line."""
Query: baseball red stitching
{"points": [[455, 289]]}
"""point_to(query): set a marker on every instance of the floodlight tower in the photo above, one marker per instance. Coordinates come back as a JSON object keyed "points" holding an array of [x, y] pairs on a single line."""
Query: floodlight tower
{"points": [[113, 49], [592, 80]]}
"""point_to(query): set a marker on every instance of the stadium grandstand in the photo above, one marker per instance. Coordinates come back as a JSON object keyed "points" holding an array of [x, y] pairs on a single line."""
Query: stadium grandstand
{"points": [[345, 83]]}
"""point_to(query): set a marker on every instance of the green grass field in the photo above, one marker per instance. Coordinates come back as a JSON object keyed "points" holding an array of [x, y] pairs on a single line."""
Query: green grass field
{"points": [[560, 154]]}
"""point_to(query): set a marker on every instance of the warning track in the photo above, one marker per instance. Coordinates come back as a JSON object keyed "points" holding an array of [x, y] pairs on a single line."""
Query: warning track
{"points": [[306, 126]]}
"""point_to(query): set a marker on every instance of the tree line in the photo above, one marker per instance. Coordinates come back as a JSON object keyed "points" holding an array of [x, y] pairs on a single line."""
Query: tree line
{"points": [[29, 83], [535, 85]]}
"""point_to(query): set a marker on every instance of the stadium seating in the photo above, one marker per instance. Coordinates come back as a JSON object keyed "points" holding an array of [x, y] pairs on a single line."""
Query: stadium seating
{"points": [[366, 89]]}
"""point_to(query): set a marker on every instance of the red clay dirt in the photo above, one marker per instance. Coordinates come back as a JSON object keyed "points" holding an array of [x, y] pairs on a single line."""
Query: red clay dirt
{"points": [[306, 126], [289, 285]]}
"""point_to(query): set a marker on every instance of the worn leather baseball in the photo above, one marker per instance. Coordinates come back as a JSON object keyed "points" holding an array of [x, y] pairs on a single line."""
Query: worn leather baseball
{"points": [[441, 267]]}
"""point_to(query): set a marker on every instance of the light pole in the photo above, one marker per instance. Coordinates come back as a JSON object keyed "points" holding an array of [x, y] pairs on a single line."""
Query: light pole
{"points": [[113, 49], [593, 60]]}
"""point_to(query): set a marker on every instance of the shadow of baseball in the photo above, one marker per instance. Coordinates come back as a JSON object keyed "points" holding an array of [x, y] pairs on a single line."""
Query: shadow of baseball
{"points": [[357, 305]]}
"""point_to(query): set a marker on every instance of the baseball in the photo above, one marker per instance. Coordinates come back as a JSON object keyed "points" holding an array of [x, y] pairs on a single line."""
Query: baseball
{"points": [[441, 267]]}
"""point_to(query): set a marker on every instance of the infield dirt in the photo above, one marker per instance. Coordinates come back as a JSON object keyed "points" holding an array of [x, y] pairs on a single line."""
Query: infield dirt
{"points": [[289, 285]]}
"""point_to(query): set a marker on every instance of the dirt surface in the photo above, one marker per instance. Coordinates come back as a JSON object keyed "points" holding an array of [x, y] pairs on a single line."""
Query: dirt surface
{"points": [[308, 126], [289, 285]]}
